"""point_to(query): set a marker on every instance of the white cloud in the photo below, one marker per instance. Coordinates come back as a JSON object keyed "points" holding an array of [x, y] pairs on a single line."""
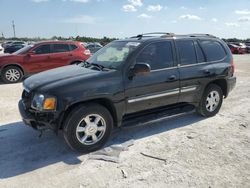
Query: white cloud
{"points": [[77, 1], [136, 3], [189, 17], [214, 20], [202, 8], [144, 16], [83, 19], [245, 11], [129, 8], [232, 24], [183, 8], [39, 1], [244, 19], [154, 8]]}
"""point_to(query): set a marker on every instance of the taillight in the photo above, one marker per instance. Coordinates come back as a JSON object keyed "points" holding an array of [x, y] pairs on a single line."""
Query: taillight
{"points": [[233, 66], [87, 52]]}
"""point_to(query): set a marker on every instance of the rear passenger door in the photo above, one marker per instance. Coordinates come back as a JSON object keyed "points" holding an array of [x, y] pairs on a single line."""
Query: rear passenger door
{"points": [[196, 66], [60, 55], [158, 88]]}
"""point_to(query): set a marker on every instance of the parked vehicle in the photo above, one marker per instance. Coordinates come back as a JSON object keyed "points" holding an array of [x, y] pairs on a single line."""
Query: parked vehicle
{"points": [[93, 47], [129, 82], [5, 44], [1, 49], [13, 48], [235, 49], [40, 57], [247, 47]]}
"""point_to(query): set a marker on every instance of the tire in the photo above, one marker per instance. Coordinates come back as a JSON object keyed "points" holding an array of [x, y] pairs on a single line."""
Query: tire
{"points": [[211, 101], [12, 74], [80, 127]]}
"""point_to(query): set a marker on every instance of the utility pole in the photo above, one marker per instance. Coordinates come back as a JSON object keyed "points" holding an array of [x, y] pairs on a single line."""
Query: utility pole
{"points": [[14, 29]]}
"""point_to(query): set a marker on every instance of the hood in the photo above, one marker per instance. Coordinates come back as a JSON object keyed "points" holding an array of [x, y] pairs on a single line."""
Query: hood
{"points": [[57, 75]]}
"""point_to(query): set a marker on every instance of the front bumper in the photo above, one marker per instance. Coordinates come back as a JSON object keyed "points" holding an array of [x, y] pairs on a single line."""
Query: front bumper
{"points": [[32, 120]]}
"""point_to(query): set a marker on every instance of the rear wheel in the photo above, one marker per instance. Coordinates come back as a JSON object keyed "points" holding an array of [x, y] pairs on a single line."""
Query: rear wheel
{"points": [[211, 101], [12, 74], [88, 127]]}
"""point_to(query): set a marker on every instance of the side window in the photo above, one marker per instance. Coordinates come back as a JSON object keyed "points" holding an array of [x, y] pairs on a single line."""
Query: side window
{"points": [[60, 48], [43, 49], [72, 47], [186, 51], [213, 50], [158, 55], [199, 53]]}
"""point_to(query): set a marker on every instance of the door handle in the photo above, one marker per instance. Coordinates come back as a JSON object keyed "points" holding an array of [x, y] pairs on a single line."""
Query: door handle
{"points": [[70, 55], [172, 78], [208, 72]]}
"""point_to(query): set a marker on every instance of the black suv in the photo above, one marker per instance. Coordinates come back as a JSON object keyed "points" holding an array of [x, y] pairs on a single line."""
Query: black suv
{"points": [[129, 81]]}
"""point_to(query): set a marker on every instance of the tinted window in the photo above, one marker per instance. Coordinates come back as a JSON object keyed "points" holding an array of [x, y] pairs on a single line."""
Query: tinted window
{"points": [[73, 47], [213, 50], [60, 48], [199, 53], [158, 55], [43, 49], [186, 51]]}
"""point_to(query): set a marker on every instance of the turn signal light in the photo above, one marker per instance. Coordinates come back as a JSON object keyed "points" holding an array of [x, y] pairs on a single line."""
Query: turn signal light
{"points": [[49, 104]]}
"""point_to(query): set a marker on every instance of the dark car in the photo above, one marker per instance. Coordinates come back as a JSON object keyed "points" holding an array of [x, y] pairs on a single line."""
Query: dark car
{"points": [[129, 82], [13, 48], [40, 57], [248, 46]]}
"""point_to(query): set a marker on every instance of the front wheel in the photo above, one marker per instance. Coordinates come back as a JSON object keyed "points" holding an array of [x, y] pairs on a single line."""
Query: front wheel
{"points": [[88, 127], [211, 101], [12, 74]]}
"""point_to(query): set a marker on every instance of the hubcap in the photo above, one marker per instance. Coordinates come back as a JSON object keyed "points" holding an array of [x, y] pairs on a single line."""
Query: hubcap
{"points": [[212, 101], [91, 129], [12, 75]]}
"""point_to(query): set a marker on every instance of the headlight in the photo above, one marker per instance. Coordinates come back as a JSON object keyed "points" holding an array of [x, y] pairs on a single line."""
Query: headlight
{"points": [[43, 103]]}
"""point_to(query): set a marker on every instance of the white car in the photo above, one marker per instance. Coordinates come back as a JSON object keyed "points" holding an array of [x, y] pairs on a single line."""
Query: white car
{"points": [[1, 49]]}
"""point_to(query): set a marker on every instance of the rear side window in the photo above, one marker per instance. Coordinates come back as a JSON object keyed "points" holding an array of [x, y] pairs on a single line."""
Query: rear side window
{"points": [[186, 51], [158, 55], [60, 48], [199, 53], [73, 47], [43, 49], [213, 50]]}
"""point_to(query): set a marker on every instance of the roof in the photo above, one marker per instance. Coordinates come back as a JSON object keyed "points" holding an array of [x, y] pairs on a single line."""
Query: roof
{"points": [[162, 35]]}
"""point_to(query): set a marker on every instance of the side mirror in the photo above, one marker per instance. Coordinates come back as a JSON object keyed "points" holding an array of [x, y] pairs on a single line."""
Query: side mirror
{"points": [[141, 68]]}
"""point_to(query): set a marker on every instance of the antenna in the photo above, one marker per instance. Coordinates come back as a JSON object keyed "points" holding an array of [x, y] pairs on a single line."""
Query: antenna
{"points": [[14, 29]]}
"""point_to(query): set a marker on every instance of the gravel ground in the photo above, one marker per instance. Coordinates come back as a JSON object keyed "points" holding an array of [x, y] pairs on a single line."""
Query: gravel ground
{"points": [[198, 152]]}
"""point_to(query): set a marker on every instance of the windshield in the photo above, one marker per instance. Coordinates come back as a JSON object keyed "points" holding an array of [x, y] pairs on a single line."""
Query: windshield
{"points": [[114, 54], [23, 50]]}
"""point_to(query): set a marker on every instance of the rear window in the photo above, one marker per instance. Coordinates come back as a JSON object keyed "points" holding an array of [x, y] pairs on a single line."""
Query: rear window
{"points": [[213, 50], [60, 48], [186, 51]]}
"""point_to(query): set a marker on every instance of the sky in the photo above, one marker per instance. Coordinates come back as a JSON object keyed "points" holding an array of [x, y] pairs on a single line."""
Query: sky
{"points": [[124, 18]]}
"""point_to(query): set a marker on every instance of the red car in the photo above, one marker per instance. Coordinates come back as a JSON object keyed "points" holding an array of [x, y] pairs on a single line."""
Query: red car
{"points": [[40, 57], [235, 49]]}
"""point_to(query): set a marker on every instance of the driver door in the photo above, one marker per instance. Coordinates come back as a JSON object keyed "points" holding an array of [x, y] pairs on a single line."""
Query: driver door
{"points": [[160, 86]]}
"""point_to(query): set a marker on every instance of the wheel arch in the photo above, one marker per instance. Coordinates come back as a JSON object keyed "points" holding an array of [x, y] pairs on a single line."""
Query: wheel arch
{"points": [[222, 83], [107, 103], [15, 65]]}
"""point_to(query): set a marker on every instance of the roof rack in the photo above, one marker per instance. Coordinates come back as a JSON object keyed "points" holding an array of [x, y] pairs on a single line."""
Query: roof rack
{"points": [[162, 34], [201, 35]]}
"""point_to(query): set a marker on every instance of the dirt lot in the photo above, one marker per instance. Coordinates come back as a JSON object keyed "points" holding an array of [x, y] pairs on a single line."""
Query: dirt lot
{"points": [[199, 152]]}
